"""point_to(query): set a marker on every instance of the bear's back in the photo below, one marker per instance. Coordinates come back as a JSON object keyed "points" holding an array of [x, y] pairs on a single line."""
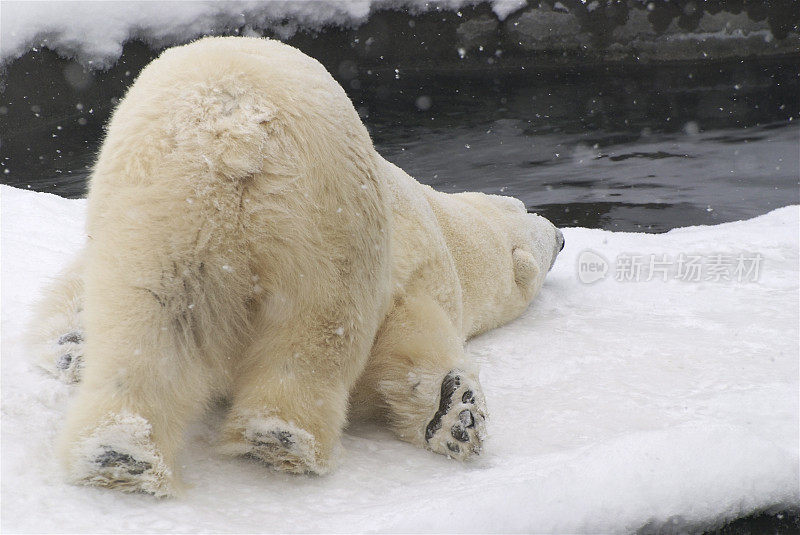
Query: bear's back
{"points": [[232, 107]]}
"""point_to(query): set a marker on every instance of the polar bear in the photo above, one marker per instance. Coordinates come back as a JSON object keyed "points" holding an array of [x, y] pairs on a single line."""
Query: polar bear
{"points": [[246, 242]]}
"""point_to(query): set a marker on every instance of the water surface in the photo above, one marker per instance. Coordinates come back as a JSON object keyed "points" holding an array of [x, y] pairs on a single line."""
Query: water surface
{"points": [[620, 147]]}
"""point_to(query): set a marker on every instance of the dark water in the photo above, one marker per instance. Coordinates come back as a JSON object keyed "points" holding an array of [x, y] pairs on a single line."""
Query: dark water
{"points": [[638, 148], [616, 148]]}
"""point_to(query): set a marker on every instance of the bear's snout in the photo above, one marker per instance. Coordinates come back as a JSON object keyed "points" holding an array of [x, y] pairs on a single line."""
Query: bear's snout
{"points": [[559, 246]]}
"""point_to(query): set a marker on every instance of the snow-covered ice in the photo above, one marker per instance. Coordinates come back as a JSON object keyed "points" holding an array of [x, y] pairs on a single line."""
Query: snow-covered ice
{"points": [[613, 405], [94, 32]]}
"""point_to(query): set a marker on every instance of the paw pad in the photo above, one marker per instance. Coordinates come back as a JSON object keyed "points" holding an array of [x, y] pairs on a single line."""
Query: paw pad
{"points": [[68, 361], [114, 459]]}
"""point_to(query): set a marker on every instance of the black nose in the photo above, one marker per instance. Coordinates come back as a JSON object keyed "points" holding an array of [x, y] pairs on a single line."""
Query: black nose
{"points": [[563, 242]]}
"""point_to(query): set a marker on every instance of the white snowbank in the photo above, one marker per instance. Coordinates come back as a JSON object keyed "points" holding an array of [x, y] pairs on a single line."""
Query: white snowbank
{"points": [[94, 32], [612, 405]]}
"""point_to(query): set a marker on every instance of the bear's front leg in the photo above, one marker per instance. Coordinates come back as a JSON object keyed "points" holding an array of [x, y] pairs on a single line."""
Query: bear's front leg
{"points": [[430, 391], [291, 390]]}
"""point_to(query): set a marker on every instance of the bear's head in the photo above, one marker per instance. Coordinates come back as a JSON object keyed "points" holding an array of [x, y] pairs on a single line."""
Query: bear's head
{"points": [[518, 251]]}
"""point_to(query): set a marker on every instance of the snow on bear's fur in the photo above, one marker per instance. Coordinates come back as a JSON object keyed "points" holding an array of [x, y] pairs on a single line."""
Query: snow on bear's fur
{"points": [[247, 243]]}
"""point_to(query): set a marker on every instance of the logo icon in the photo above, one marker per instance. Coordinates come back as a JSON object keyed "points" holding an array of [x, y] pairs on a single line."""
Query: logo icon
{"points": [[592, 267]]}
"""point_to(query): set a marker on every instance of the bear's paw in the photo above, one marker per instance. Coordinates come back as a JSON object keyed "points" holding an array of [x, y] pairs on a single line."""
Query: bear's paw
{"points": [[279, 444], [121, 455], [458, 428]]}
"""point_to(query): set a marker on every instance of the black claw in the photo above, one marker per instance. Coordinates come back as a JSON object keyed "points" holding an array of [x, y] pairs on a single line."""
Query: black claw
{"points": [[453, 447], [434, 425], [74, 337], [459, 433], [111, 458], [468, 397], [64, 361]]}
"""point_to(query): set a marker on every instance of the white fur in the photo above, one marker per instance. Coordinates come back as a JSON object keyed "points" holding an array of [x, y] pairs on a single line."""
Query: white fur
{"points": [[246, 241]]}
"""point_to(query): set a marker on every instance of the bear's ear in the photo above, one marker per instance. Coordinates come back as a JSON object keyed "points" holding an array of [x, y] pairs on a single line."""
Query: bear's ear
{"points": [[525, 268]]}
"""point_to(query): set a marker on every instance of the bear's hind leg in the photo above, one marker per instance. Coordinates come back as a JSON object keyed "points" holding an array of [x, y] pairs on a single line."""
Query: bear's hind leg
{"points": [[144, 380], [431, 393], [291, 391]]}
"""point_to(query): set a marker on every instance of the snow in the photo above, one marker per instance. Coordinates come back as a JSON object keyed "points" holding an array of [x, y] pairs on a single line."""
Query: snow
{"points": [[613, 405], [94, 32]]}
